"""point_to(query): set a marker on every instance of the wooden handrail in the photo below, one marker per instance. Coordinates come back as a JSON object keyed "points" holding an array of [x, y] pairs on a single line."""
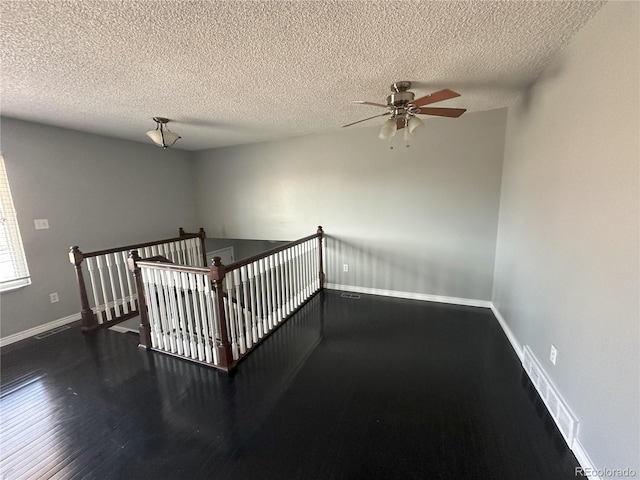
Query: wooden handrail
{"points": [[76, 257], [276, 308], [140, 245], [172, 266], [247, 261]]}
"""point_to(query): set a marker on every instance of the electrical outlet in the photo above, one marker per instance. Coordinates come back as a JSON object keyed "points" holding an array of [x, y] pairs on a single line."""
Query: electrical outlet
{"points": [[54, 297], [553, 354], [345, 267], [41, 223]]}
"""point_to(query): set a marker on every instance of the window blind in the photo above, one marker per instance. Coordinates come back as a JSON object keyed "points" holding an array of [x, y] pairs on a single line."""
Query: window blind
{"points": [[14, 271]]}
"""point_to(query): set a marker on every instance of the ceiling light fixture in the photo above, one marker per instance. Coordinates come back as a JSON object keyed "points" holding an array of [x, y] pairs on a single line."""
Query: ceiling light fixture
{"points": [[162, 136], [402, 106], [389, 129]]}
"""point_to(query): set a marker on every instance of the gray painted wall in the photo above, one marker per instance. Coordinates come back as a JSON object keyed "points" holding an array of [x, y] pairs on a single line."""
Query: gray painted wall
{"points": [[421, 219], [242, 248], [567, 256], [96, 192]]}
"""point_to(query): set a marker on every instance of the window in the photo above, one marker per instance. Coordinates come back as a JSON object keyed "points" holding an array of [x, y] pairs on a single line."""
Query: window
{"points": [[14, 272]]}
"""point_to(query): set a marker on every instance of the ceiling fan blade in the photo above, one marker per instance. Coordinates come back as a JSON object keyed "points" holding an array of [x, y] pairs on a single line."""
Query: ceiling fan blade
{"points": [[365, 119], [362, 102], [442, 112], [438, 96], [400, 122]]}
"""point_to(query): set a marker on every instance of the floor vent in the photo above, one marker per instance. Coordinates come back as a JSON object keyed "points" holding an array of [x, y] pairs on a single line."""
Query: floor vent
{"points": [[565, 420], [355, 296], [52, 332]]}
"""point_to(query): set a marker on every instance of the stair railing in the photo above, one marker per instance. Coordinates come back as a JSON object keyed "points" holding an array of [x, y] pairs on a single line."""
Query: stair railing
{"points": [[218, 315], [110, 297]]}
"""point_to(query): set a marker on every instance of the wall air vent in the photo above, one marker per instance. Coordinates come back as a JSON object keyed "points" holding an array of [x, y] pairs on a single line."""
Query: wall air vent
{"points": [[48, 333], [354, 296], [565, 420]]}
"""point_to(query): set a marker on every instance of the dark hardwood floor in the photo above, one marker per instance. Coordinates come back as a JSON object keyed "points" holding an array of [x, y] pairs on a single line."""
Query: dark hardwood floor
{"points": [[369, 388]]}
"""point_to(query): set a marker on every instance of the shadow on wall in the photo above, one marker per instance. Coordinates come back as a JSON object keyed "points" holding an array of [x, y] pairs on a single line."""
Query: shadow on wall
{"points": [[530, 91], [241, 248], [392, 267]]}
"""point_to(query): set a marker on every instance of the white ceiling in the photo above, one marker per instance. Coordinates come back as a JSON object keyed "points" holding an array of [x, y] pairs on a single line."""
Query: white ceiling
{"points": [[233, 72]]}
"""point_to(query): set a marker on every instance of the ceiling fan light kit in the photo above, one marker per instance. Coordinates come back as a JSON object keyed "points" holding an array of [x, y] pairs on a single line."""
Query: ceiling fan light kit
{"points": [[162, 136], [389, 129], [403, 108]]}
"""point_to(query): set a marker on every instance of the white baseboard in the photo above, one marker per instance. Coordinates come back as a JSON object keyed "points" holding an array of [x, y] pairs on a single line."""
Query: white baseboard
{"points": [[584, 460], [576, 447], [557, 406], [16, 337], [469, 302], [507, 331]]}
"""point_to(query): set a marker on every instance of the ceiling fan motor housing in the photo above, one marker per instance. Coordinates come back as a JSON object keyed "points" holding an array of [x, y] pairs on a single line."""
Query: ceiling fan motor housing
{"points": [[400, 99]]}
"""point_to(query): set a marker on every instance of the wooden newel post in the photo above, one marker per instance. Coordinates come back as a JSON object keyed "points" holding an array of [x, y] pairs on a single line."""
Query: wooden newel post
{"points": [[320, 233], [144, 329], [223, 346], [89, 319]]}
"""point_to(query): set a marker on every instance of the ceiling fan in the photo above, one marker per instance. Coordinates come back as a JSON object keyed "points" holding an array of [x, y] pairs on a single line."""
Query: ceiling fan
{"points": [[403, 108]]}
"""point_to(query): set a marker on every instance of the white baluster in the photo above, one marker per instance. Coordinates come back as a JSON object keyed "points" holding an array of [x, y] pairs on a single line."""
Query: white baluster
{"points": [[162, 310], [251, 283], [258, 296], [97, 309], [246, 306], [131, 296], [122, 296], [238, 310], [200, 279], [313, 252], [212, 318], [107, 309], [188, 252], [183, 252], [112, 284], [168, 311], [177, 281], [264, 288], [231, 320], [288, 279], [172, 252], [305, 284], [312, 264], [283, 281], [198, 246], [267, 275], [192, 252], [296, 278], [155, 293], [196, 316], [277, 303], [301, 266], [176, 332], [307, 248], [317, 267], [149, 291], [193, 336]]}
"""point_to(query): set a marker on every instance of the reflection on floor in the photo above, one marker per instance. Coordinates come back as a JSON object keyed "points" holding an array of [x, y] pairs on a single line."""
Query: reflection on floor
{"points": [[371, 388]]}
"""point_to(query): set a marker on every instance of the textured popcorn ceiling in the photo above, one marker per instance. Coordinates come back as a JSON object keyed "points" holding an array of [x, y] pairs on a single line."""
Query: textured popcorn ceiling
{"points": [[233, 72]]}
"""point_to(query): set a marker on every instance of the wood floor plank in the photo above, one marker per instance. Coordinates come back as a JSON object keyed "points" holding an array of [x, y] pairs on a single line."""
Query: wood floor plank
{"points": [[346, 389]]}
